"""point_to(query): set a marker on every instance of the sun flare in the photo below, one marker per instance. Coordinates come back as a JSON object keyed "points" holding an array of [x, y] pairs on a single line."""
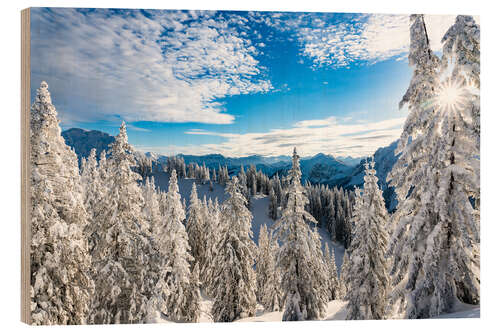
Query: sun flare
{"points": [[451, 95]]}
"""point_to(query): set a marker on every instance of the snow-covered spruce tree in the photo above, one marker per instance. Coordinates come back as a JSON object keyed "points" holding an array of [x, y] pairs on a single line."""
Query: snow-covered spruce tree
{"points": [[262, 261], [369, 278], [304, 276], [195, 228], [345, 275], [272, 298], [243, 179], [268, 278], [175, 244], [93, 193], [193, 296], [151, 208], [103, 167], [155, 260], [434, 245], [461, 49], [273, 205], [333, 280], [234, 277], [120, 258], [61, 284], [344, 280], [213, 237]]}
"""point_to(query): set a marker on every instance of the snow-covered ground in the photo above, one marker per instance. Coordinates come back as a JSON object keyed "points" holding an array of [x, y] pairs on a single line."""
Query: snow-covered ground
{"points": [[336, 310], [462, 310], [259, 208]]}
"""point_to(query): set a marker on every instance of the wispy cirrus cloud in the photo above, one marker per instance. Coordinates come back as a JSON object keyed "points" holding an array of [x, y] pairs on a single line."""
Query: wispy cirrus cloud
{"points": [[167, 66], [331, 136]]}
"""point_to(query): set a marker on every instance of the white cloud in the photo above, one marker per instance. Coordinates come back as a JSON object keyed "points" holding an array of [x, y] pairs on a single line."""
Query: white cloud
{"points": [[162, 66], [368, 38], [331, 136]]}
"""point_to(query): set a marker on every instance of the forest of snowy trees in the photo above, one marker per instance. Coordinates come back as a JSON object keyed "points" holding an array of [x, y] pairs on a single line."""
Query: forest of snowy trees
{"points": [[108, 246]]}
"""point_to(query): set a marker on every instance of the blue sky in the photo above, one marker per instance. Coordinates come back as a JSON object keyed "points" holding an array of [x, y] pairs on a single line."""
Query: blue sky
{"points": [[235, 83]]}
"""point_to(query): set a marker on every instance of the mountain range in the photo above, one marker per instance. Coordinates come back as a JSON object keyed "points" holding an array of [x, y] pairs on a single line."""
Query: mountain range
{"points": [[345, 172]]}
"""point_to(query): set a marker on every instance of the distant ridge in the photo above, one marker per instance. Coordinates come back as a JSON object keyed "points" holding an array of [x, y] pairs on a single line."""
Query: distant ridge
{"points": [[345, 172], [82, 141]]}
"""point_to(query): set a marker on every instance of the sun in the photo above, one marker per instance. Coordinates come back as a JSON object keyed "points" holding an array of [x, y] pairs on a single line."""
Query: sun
{"points": [[451, 95]]}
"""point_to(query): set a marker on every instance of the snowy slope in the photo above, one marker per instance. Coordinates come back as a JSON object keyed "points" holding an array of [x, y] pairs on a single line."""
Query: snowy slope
{"points": [[259, 207], [335, 311], [462, 310]]}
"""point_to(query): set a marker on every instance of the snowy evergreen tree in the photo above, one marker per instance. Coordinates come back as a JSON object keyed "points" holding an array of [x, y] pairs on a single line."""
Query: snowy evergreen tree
{"points": [[196, 230], [268, 276], [61, 284], [461, 49], [304, 276], [273, 205], [94, 193], [234, 277], [333, 280], [278, 189], [193, 301], [435, 243], [214, 176], [262, 261], [213, 237], [155, 260], [369, 278], [344, 280], [269, 292], [120, 258], [176, 246]]}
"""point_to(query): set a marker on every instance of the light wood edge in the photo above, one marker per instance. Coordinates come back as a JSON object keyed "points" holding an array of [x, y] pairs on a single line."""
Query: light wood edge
{"points": [[25, 166]]}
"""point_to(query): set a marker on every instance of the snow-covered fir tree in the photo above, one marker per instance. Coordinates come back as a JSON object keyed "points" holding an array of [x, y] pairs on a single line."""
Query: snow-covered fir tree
{"points": [[213, 237], [94, 193], [272, 298], [155, 260], [344, 280], [461, 49], [90, 180], [304, 276], [435, 242], [61, 284], [196, 229], [461, 45], [273, 205], [193, 296], [369, 278], [234, 276], [151, 208], [268, 277], [178, 273], [120, 258], [333, 280]]}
